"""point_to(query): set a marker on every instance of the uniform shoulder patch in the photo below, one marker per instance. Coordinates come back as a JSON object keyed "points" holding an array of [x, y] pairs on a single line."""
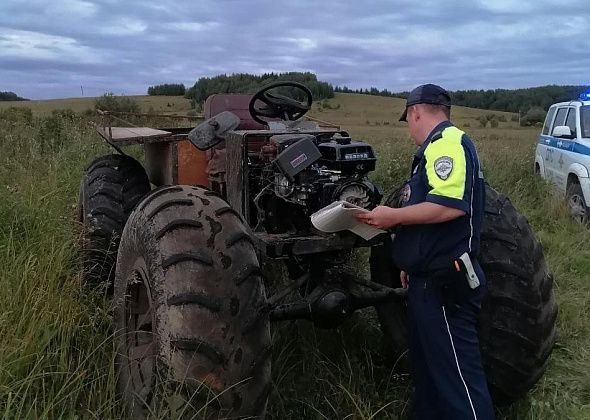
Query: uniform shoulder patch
{"points": [[443, 166]]}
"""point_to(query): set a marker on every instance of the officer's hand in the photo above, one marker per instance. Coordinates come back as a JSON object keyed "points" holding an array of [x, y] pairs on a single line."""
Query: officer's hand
{"points": [[404, 278], [381, 217]]}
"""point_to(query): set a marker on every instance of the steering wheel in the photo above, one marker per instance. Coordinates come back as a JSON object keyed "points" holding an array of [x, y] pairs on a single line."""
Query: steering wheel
{"points": [[274, 105]]}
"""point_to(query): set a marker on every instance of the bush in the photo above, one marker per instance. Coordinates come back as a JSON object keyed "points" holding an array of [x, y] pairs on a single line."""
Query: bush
{"points": [[10, 96], [483, 121], [532, 117], [326, 105], [66, 113], [17, 115], [110, 102], [493, 119], [51, 135]]}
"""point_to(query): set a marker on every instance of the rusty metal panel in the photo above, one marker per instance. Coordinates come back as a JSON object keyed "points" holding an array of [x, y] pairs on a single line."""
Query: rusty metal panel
{"points": [[192, 164], [235, 103]]}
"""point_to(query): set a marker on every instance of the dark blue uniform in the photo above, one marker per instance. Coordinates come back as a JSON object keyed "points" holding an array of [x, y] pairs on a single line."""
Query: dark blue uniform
{"points": [[444, 347]]}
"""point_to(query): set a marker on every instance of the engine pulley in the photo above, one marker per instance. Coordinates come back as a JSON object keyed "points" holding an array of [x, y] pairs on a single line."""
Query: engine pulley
{"points": [[355, 193]]}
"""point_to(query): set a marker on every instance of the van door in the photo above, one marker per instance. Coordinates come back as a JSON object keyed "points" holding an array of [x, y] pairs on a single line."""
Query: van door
{"points": [[567, 151], [545, 141], [553, 158]]}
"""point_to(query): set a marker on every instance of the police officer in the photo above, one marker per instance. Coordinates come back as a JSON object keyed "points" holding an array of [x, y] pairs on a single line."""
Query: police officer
{"points": [[436, 245]]}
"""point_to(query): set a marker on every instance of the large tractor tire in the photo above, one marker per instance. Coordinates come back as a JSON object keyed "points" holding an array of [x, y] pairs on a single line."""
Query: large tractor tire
{"points": [[192, 336], [112, 186], [392, 316], [517, 318]]}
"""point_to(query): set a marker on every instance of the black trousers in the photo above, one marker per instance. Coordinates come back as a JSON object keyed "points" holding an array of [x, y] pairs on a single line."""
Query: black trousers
{"points": [[444, 354]]}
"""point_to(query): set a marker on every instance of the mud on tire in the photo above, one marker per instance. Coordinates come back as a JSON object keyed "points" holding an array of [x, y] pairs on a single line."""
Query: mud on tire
{"points": [[517, 319], [192, 339], [111, 187]]}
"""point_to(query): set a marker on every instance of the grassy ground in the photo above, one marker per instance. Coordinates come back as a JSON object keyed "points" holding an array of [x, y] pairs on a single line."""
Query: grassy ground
{"points": [[56, 350], [159, 104]]}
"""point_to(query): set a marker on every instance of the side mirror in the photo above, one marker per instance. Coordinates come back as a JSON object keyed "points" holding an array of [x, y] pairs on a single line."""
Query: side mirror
{"points": [[212, 131], [563, 131]]}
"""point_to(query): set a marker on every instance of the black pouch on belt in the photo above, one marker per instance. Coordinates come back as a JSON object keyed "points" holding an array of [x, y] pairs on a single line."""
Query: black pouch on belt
{"points": [[450, 282]]}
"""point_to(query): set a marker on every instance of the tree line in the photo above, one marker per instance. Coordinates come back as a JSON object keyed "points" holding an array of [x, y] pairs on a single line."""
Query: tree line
{"points": [[10, 96], [167, 89], [524, 100], [508, 100], [372, 91], [517, 100], [250, 83]]}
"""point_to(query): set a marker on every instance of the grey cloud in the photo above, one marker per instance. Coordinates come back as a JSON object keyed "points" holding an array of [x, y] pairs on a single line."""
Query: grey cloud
{"points": [[393, 45]]}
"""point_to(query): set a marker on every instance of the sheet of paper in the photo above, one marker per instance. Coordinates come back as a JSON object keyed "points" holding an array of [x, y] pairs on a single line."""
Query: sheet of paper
{"points": [[338, 216]]}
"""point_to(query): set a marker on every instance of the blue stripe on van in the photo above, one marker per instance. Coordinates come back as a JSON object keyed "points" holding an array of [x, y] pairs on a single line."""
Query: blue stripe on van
{"points": [[564, 144]]}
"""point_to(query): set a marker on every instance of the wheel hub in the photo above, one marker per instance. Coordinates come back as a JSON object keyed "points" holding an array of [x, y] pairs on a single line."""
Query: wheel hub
{"points": [[577, 208]]}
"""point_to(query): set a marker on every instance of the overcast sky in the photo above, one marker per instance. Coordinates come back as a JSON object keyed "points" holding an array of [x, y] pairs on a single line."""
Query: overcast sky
{"points": [[48, 49]]}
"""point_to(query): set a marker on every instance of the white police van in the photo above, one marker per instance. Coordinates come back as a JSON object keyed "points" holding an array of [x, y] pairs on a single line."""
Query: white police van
{"points": [[563, 153]]}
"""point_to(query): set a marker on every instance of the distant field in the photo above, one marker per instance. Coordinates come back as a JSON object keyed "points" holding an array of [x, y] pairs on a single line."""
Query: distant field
{"points": [[165, 104], [373, 112], [56, 351], [355, 109]]}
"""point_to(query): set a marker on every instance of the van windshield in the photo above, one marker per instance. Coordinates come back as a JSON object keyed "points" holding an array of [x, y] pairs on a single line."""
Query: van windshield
{"points": [[585, 121]]}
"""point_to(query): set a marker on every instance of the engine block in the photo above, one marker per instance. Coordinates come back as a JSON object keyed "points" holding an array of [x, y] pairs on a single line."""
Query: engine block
{"points": [[301, 174]]}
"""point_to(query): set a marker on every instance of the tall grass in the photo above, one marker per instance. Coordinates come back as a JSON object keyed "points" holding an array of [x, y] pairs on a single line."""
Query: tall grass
{"points": [[56, 351]]}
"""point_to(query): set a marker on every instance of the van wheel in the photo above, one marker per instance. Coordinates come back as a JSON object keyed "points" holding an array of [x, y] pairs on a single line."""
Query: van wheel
{"points": [[576, 203]]}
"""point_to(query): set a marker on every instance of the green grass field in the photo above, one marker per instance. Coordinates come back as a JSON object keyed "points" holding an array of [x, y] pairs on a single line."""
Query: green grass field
{"points": [[56, 351], [159, 104]]}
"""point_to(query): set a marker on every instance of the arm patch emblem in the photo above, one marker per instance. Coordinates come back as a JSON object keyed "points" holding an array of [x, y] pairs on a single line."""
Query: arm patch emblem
{"points": [[443, 166]]}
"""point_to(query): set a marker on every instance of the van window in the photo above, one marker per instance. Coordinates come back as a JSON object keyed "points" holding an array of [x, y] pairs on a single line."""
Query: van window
{"points": [[548, 119], [571, 120], [560, 117]]}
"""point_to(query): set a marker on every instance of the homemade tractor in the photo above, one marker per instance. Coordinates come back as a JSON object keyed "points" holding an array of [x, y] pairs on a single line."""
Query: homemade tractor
{"points": [[184, 258]]}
